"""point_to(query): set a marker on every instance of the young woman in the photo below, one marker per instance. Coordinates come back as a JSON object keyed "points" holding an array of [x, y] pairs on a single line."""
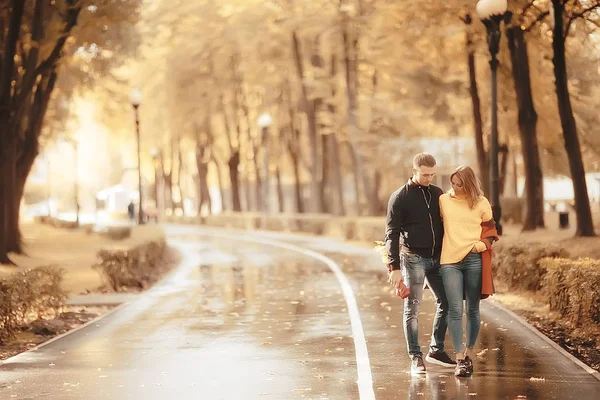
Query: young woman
{"points": [[463, 209]]}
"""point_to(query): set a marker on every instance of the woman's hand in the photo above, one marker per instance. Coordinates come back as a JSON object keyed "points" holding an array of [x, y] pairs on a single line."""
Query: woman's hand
{"points": [[479, 247]]}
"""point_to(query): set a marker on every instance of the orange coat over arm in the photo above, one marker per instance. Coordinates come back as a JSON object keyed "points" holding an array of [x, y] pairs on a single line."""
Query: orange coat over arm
{"points": [[488, 230]]}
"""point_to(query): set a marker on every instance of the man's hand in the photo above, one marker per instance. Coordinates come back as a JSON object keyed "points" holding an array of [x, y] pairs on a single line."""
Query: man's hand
{"points": [[395, 278]]}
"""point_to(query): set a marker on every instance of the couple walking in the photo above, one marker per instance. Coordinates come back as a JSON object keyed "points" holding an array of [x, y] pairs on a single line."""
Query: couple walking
{"points": [[444, 239]]}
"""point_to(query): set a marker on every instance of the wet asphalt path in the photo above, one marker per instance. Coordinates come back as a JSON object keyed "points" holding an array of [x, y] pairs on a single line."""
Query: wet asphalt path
{"points": [[246, 320]]}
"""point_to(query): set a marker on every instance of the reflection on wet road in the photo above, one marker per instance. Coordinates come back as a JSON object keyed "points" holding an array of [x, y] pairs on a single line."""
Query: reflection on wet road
{"points": [[243, 320]]}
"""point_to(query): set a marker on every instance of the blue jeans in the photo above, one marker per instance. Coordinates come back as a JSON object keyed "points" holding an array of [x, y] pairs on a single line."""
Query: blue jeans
{"points": [[463, 281], [415, 270]]}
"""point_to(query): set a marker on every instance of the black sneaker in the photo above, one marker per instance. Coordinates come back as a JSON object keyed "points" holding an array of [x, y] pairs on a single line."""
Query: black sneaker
{"points": [[417, 366], [464, 367], [440, 358]]}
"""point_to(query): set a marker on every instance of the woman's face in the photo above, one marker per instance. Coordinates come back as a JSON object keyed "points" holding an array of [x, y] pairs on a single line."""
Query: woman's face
{"points": [[457, 185]]}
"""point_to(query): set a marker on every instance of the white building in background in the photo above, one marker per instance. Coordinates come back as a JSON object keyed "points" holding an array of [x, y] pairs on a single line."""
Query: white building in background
{"points": [[116, 198], [558, 191]]}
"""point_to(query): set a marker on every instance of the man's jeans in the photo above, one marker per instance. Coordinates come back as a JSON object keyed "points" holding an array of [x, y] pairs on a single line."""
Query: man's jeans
{"points": [[463, 279], [415, 269]]}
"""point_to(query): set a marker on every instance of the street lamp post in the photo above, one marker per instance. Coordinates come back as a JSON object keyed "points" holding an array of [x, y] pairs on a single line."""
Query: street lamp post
{"points": [[491, 13], [264, 122], [135, 97], [154, 152]]}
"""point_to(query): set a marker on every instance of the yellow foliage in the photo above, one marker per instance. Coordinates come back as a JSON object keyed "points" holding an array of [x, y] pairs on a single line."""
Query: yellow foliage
{"points": [[380, 248]]}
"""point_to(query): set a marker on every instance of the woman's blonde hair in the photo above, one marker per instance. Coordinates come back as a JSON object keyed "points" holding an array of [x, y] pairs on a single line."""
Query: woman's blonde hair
{"points": [[471, 184]]}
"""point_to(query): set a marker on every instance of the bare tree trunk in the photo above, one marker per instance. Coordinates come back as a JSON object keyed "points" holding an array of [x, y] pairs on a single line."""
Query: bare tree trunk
{"points": [[585, 224], [28, 151], [534, 185], [503, 151], [8, 200], [337, 172], [171, 180], [280, 197], [233, 164], [294, 149], [180, 169], [168, 180], [220, 180], [351, 93], [356, 181], [324, 181], [298, 186], [312, 127], [476, 102], [203, 157], [333, 143], [7, 142], [258, 183]]}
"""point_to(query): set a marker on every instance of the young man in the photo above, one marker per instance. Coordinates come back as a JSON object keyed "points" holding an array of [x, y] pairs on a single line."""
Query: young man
{"points": [[413, 240]]}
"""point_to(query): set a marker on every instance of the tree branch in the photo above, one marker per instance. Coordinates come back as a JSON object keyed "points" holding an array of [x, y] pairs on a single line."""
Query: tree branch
{"points": [[578, 15], [49, 63], [8, 59], [539, 18]]}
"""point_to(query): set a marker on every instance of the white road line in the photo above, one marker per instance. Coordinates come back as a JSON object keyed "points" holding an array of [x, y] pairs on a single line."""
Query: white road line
{"points": [[365, 378]]}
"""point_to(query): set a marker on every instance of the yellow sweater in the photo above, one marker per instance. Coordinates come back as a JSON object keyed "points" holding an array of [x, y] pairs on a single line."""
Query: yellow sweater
{"points": [[462, 226]]}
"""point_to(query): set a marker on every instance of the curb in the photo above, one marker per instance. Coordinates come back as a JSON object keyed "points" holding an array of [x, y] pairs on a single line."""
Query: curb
{"points": [[122, 305], [545, 338], [69, 332]]}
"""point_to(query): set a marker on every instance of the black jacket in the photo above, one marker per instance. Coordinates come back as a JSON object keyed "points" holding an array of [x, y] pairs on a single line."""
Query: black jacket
{"points": [[413, 219]]}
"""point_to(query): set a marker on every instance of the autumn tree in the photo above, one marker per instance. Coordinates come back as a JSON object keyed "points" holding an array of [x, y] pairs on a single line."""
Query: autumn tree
{"points": [[36, 37]]}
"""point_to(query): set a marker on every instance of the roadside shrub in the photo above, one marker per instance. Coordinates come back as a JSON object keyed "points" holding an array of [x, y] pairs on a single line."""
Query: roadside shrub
{"points": [[138, 267], [518, 266], [116, 232], [29, 295], [573, 288]]}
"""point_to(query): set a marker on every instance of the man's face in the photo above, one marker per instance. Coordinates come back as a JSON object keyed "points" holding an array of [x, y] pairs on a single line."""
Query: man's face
{"points": [[424, 175]]}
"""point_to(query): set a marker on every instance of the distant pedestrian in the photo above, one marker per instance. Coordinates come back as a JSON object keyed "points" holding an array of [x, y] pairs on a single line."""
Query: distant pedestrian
{"points": [[131, 211]]}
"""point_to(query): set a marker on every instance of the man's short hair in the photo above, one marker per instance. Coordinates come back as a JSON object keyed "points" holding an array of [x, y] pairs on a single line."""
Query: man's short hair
{"points": [[423, 159]]}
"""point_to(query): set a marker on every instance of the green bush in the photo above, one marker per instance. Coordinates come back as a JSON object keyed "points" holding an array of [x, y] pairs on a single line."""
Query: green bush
{"points": [[29, 295], [137, 267], [573, 288], [518, 266]]}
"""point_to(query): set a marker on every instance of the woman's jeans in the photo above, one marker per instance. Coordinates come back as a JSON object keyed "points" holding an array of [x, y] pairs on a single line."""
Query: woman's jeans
{"points": [[463, 281], [416, 270]]}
